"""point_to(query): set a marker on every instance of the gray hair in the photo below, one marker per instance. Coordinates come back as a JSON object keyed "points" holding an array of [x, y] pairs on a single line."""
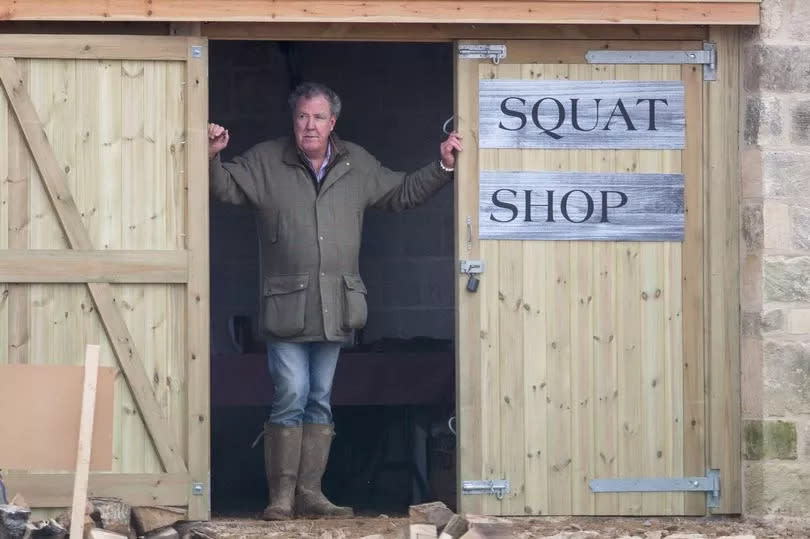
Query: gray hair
{"points": [[308, 90]]}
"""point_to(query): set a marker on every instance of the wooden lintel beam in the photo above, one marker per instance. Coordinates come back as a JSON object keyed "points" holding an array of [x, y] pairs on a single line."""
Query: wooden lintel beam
{"points": [[718, 12], [63, 266], [56, 185]]}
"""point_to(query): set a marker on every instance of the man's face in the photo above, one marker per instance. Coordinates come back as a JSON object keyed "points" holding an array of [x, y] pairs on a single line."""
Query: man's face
{"points": [[313, 121]]}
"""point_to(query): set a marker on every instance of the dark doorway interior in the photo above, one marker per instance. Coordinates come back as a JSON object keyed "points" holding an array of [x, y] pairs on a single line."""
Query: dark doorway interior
{"points": [[394, 388]]}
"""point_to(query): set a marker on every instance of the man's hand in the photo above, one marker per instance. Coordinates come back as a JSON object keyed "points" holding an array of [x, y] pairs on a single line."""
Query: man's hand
{"points": [[449, 148], [218, 138]]}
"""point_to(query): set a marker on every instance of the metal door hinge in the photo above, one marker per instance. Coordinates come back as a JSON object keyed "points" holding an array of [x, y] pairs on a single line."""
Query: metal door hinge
{"points": [[494, 487], [707, 58], [471, 266], [496, 53], [709, 484]]}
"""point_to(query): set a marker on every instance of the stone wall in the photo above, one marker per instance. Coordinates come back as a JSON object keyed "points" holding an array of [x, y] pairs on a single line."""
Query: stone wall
{"points": [[776, 261]]}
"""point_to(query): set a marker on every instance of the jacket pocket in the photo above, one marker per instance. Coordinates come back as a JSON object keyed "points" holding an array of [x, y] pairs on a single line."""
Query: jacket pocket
{"points": [[285, 301], [355, 310]]}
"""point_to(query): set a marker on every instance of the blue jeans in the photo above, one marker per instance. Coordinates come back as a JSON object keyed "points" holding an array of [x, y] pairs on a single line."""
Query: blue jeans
{"points": [[302, 381]]}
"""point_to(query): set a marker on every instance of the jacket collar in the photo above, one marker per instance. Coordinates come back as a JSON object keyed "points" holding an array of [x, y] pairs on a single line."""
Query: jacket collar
{"points": [[292, 155]]}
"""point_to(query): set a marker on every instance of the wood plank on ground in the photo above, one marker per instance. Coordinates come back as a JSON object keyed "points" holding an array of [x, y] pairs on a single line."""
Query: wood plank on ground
{"points": [[85, 440]]}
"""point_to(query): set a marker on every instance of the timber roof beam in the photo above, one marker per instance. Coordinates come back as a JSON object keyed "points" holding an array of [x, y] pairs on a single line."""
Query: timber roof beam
{"points": [[701, 12]]}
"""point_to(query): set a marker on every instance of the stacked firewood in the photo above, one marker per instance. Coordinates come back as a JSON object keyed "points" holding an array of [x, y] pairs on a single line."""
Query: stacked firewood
{"points": [[105, 518], [436, 521]]}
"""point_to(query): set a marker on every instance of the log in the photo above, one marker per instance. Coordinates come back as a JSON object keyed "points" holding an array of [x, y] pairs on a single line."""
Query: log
{"points": [[435, 513], [192, 529], [489, 527], [163, 533], [422, 531], [113, 514], [454, 529], [98, 533], [13, 521], [152, 517], [47, 529]]}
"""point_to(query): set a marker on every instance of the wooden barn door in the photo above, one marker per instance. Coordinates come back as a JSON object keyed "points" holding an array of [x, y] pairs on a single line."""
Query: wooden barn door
{"points": [[580, 360], [104, 240]]}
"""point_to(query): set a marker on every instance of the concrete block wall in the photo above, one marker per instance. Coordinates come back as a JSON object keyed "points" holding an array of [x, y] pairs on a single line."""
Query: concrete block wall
{"points": [[775, 288], [395, 99]]}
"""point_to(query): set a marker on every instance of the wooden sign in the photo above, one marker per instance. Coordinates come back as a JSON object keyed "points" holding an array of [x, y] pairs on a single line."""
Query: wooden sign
{"points": [[576, 206], [564, 114]]}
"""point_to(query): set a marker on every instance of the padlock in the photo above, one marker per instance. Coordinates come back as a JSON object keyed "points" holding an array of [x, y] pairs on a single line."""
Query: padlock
{"points": [[472, 283]]}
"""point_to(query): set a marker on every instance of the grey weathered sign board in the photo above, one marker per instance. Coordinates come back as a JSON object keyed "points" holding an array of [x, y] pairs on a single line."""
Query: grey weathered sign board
{"points": [[564, 114], [578, 206]]}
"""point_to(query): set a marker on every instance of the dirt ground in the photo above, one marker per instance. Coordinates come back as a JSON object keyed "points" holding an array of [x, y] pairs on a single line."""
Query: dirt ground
{"points": [[524, 528]]}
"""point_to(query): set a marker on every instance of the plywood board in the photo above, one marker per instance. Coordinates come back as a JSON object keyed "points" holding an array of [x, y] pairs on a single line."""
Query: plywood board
{"points": [[41, 411]]}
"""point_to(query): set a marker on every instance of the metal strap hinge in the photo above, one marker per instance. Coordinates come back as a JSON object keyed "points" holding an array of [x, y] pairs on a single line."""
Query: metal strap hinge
{"points": [[494, 487], [709, 484], [707, 58], [496, 53]]}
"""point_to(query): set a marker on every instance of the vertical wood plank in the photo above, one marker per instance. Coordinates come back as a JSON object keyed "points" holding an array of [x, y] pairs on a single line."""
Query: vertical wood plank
{"points": [[137, 454], [174, 233], [5, 180], [695, 252], [628, 290], [469, 339], [673, 348], [536, 315], [558, 349], [723, 255], [491, 381], [583, 442], [653, 401], [197, 294], [582, 336], [491, 376], [535, 318], [18, 198], [510, 320], [109, 234], [512, 406], [606, 429], [606, 424]]}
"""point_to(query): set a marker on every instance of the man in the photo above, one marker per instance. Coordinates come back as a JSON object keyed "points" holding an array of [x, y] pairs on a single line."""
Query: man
{"points": [[310, 192]]}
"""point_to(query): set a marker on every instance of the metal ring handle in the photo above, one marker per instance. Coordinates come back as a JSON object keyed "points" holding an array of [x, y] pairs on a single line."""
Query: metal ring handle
{"points": [[445, 127], [450, 421]]}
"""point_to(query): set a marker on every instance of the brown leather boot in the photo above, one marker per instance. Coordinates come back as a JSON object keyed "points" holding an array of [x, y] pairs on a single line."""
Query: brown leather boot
{"points": [[309, 499], [282, 454]]}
